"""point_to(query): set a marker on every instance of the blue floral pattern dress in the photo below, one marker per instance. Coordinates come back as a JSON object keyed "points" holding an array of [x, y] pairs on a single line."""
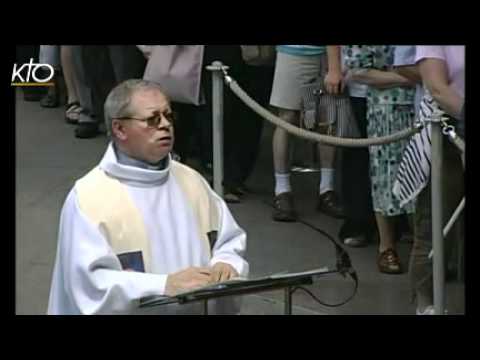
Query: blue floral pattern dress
{"points": [[388, 111]]}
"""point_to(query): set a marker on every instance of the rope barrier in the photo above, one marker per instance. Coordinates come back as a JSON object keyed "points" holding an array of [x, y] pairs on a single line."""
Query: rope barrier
{"points": [[309, 135]]}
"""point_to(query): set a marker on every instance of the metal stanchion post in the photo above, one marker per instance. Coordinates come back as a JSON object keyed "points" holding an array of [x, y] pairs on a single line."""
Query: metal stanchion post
{"points": [[288, 301], [205, 307], [437, 220], [217, 110]]}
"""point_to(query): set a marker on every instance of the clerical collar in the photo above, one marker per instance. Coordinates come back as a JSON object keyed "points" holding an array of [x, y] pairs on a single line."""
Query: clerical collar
{"points": [[127, 160]]}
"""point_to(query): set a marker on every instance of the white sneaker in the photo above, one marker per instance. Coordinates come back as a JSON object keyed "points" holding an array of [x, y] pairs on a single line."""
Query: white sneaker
{"points": [[429, 310]]}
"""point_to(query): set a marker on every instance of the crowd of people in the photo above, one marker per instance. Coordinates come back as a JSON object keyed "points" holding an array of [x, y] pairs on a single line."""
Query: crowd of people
{"points": [[380, 89]]}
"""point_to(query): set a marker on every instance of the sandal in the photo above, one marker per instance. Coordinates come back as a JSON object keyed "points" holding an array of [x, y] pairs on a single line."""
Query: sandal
{"points": [[72, 112]]}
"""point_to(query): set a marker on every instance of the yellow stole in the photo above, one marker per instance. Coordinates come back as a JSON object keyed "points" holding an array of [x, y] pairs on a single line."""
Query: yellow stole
{"points": [[106, 203]]}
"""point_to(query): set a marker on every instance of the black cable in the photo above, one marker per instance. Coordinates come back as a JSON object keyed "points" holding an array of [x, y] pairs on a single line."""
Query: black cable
{"points": [[324, 303], [344, 265]]}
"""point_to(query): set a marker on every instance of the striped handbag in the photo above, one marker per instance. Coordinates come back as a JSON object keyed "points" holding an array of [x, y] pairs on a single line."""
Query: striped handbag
{"points": [[325, 113]]}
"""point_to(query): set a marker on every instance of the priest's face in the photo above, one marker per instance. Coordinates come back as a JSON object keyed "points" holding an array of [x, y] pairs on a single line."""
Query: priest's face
{"points": [[148, 134]]}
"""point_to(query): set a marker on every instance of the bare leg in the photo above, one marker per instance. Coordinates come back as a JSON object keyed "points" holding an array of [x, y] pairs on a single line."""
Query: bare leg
{"points": [[388, 261], [281, 153], [284, 208], [328, 202], [326, 154], [386, 230], [69, 73]]}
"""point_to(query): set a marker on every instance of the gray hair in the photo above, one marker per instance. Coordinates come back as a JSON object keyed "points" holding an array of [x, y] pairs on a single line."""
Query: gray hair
{"points": [[118, 102]]}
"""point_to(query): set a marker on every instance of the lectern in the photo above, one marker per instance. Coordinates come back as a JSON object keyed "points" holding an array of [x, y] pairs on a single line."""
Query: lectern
{"points": [[235, 287]]}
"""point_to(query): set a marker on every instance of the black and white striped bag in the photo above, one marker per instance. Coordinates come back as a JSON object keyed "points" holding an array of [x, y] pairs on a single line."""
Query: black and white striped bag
{"points": [[327, 114], [414, 171]]}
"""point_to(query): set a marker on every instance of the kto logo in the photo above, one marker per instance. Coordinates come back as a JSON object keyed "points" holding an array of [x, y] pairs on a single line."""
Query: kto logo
{"points": [[32, 68]]}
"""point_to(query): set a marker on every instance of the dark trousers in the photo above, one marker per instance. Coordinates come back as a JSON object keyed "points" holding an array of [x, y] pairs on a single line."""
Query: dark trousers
{"points": [[420, 267], [242, 127], [188, 130], [355, 185], [231, 56], [258, 82], [26, 52], [23, 55], [106, 66], [193, 126]]}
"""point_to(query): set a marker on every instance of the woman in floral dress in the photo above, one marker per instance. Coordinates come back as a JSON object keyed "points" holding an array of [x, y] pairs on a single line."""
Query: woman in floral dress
{"points": [[390, 108]]}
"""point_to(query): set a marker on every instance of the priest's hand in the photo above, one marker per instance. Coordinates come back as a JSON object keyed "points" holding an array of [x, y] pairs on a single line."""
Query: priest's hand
{"points": [[190, 278], [222, 272]]}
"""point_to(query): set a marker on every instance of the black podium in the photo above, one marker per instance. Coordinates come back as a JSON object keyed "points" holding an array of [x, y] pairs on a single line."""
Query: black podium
{"points": [[285, 281]]}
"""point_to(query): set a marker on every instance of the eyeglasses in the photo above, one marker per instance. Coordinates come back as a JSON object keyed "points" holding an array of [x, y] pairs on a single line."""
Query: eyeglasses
{"points": [[154, 120]]}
